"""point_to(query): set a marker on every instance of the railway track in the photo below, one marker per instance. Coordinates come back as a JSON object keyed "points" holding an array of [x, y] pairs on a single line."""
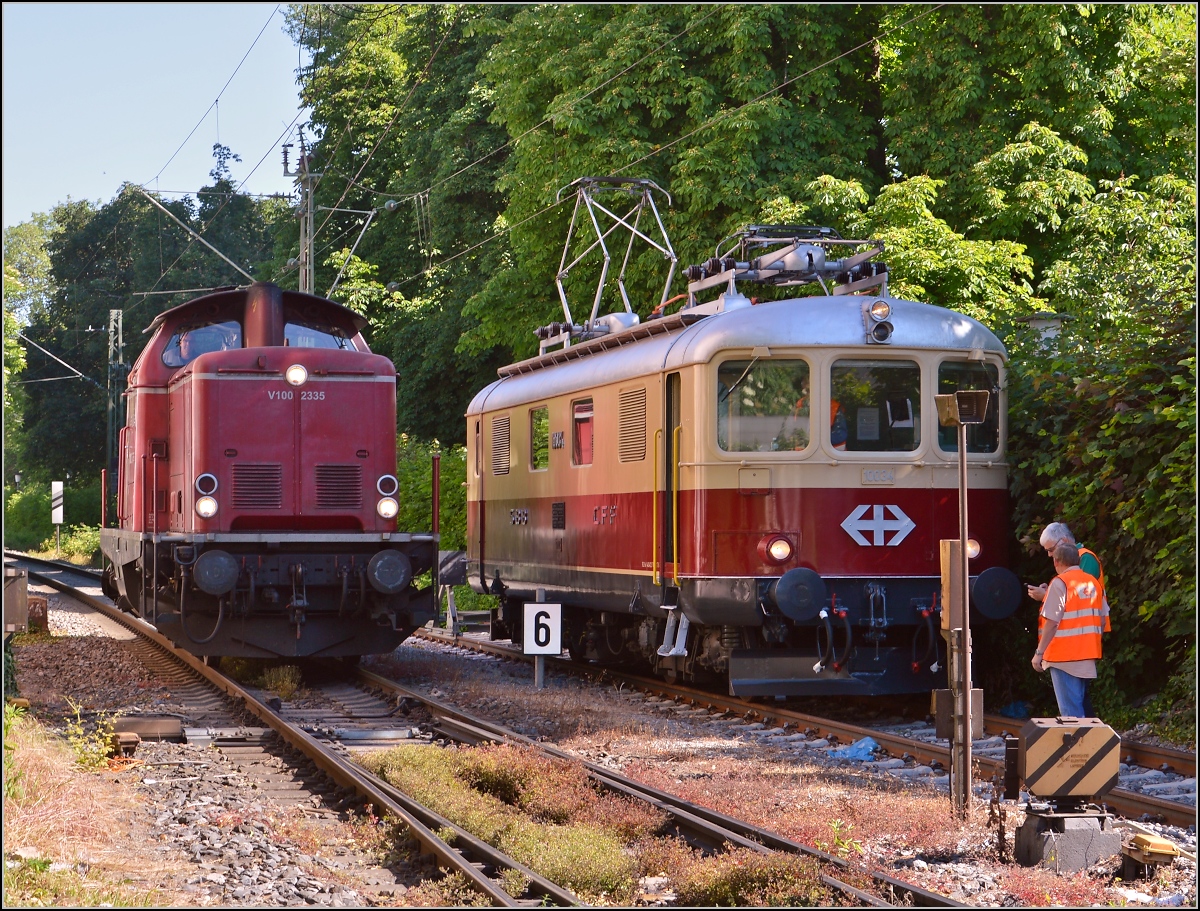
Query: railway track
{"points": [[1144, 763], [363, 720]]}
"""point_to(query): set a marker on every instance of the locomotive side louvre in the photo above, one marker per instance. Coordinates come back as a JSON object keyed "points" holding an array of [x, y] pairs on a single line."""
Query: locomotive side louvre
{"points": [[865, 520], [257, 496]]}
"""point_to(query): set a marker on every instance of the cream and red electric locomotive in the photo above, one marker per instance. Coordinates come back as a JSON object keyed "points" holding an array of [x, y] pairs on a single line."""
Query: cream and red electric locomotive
{"points": [[257, 496], [747, 490]]}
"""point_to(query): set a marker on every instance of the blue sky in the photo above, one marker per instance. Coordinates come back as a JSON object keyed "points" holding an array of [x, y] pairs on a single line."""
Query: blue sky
{"points": [[100, 93]]}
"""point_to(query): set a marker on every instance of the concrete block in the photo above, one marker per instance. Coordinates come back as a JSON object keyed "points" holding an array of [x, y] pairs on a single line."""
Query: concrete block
{"points": [[1067, 843]]}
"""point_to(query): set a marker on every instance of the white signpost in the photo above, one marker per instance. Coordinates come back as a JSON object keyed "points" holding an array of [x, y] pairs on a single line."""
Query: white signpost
{"points": [[56, 511], [543, 635]]}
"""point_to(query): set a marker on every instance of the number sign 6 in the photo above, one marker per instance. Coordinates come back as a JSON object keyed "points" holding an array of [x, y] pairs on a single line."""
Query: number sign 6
{"points": [[543, 629]]}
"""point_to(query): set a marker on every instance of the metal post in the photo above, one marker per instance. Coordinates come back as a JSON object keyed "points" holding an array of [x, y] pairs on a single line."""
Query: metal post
{"points": [[965, 644], [539, 661], [437, 492], [306, 229]]}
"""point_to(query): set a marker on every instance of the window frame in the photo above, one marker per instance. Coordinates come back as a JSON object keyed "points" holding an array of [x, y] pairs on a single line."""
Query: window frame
{"points": [[533, 443], [575, 424], [714, 414], [919, 403], [998, 396]]}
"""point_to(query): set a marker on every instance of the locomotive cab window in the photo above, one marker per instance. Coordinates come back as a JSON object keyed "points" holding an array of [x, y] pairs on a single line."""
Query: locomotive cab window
{"points": [[539, 439], [581, 432], [875, 406], [299, 333], [189, 342], [763, 405], [954, 376]]}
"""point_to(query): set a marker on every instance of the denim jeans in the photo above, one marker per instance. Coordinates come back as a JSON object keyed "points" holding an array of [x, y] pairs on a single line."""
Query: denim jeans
{"points": [[1071, 693]]}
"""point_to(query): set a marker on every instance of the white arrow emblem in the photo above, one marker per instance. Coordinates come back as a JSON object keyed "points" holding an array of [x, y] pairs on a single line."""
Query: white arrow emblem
{"points": [[855, 524]]}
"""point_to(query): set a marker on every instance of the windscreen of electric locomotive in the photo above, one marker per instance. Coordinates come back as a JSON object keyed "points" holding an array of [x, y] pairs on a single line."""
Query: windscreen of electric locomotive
{"points": [[875, 406], [956, 376], [762, 405], [305, 331]]}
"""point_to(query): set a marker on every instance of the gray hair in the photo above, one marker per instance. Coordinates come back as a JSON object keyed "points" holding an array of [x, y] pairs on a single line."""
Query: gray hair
{"points": [[1066, 555], [1055, 532]]}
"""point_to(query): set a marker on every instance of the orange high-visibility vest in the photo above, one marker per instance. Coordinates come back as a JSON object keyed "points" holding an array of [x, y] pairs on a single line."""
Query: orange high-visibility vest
{"points": [[1103, 581], [1078, 634]]}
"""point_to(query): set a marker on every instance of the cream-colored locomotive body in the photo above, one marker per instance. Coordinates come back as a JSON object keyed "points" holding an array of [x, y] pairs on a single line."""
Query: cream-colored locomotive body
{"points": [[750, 490]]}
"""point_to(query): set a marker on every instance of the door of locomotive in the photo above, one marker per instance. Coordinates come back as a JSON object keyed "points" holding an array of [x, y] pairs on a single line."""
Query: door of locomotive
{"points": [[672, 434]]}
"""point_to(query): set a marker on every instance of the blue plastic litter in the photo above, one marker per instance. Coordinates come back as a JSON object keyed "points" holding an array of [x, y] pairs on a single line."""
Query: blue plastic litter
{"points": [[860, 750], [1017, 710]]}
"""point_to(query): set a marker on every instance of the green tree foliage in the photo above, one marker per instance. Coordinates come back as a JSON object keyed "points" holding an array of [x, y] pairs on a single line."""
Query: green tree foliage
{"points": [[600, 90], [1105, 434], [1117, 81], [401, 115]]}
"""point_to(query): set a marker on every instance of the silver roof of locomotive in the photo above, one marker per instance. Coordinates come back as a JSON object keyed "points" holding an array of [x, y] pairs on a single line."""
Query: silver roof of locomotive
{"points": [[806, 322]]}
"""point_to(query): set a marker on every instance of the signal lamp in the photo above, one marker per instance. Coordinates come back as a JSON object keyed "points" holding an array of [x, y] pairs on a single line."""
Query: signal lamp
{"points": [[206, 507], [973, 548], [775, 549], [387, 508], [880, 310], [296, 375]]}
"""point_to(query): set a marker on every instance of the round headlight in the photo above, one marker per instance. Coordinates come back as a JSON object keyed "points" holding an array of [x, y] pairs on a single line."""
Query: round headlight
{"points": [[387, 486], [296, 375], [973, 548], [775, 549], [882, 332], [206, 484], [206, 507], [880, 310], [387, 508]]}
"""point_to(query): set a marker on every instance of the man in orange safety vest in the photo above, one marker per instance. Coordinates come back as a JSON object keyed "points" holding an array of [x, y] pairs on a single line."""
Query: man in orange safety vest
{"points": [[1073, 616]]}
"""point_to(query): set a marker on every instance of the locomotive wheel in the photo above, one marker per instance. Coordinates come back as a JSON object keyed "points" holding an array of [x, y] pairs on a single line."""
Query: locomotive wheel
{"points": [[108, 585]]}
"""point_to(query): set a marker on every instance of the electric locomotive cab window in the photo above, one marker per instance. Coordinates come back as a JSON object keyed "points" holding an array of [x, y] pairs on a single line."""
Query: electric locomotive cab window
{"points": [[581, 432], [965, 375], [763, 405], [299, 333], [189, 342], [539, 439], [875, 406]]}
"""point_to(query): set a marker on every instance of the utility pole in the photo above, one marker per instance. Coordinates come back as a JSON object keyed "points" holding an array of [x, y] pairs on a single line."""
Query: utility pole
{"points": [[116, 384], [305, 179]]}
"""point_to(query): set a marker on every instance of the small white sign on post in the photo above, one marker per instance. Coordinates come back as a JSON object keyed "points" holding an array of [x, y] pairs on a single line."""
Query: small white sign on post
{"points": [[56, 502], [56, 511], [543, 629]]}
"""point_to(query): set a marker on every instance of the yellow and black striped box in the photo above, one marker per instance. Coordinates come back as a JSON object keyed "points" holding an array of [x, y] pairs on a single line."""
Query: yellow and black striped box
{"points": [[1069, 757]]}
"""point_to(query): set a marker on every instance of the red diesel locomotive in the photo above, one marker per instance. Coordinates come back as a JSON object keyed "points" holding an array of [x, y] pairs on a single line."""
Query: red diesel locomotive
{"points": [[754, 491], [257, 496]]}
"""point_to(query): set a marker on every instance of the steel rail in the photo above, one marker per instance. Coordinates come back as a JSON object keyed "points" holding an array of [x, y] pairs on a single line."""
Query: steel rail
{"points": [[343, 772], [710, 823], [1126, 803]]}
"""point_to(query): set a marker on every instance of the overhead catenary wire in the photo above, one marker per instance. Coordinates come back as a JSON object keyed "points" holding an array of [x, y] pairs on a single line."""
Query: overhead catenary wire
{"points": [[218, 98], [78, 373]]}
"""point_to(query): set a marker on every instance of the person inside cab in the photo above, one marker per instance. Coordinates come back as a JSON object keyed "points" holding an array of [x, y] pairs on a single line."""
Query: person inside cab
{"points": [[188, 344]]}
